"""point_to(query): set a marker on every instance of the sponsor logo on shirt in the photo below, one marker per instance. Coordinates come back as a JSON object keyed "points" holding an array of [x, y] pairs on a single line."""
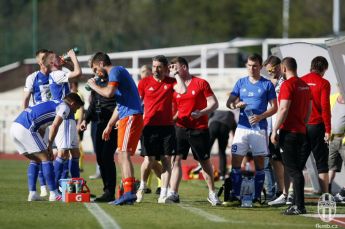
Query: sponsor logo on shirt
{"points": [[178, 96], [151, 89]]}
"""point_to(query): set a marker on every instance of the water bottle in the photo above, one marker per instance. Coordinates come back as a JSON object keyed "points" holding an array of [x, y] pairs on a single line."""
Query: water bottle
{"points": [[65, 55], [87, 86], [249, 113], [78, 186], [247, 189], [70, 187]]}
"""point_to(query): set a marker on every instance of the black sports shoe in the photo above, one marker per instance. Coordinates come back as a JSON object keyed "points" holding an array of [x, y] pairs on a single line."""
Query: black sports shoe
{"points": [[158, 191], [147, 190], [106, 197], [294, 210]]}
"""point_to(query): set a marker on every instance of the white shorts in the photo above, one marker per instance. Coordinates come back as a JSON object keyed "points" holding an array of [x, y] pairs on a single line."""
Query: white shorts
{"points": [[67, 135], [247, 140], [26, 141]]}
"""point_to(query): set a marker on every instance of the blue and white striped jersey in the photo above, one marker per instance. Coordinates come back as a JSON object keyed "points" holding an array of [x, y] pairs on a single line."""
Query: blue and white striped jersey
{"points": [[38, 85], [59, 87], [43, 114]]}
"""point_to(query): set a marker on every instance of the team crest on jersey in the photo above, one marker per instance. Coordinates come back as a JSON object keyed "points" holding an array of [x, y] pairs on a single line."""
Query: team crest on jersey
{"points": [[251, 94], [178, 96], [244, 90], [151, 89], [259, 90], [165, 87], [193, 92]]}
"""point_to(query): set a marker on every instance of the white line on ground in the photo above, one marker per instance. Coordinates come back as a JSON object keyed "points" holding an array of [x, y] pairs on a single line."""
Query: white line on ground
{"points": [[215, 218], [102, 217], [208, 216]]}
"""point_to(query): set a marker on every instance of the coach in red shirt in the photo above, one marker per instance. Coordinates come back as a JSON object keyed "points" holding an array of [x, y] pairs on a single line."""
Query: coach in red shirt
{"points": [[294, 109], [193, 109], [158, 137], [319, 125]]}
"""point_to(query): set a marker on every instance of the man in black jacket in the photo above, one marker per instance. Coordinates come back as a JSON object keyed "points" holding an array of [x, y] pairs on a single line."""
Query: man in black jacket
{"points": [[99, 113]]}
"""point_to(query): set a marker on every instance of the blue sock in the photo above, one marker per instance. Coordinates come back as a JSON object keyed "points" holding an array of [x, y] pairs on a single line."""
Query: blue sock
{"points": [[236, 180], [64, 174], [58, 168], [259, 182], [48, 172], [74, 167], [32, 175], [40, 176]]}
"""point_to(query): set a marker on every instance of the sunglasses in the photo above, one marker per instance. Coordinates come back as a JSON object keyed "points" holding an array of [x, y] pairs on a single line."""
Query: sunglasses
{"points": [[271, 70]]}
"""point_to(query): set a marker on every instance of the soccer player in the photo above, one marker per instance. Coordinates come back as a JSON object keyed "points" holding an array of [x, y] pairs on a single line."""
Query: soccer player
{"points": [[67, 138], [27, 132], [159, 133], [99, 113], [128, 117], [319, 125], [293, 114], [156, 166], [251, 93], [37, 88], [193, 108]]}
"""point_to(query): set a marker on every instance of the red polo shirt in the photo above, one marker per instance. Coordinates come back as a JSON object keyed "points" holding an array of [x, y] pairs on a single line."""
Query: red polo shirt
{"points": [[321, 109], [298, 92]]}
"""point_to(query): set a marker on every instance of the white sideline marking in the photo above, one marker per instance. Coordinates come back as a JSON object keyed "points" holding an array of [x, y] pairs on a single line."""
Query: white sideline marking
{"points": [[102, 217], [208, 216], [218, 219]]}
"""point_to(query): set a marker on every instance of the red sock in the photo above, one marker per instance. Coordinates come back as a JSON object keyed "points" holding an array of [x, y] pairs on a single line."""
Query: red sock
{"points": [[128, 184]]}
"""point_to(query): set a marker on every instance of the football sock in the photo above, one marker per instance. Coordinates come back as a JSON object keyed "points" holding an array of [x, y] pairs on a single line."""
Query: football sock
{"points": [[259, 182], [48, 172], [40, 175], [236, 180], [74, 167], [58, 168], [142, 185], [65, 169], [164, 192], [128, 184], [32, 175]]}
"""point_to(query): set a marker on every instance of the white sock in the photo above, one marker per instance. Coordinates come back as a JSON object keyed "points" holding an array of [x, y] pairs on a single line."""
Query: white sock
{"points": [[164, 192], [55, 192], [32, 192], [142, 185]]}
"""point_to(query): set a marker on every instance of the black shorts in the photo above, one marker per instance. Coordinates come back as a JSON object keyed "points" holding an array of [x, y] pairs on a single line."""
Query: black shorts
{"points": [[291, 144], [158, 141], [316, 144], [275, 153], [197, 140]]}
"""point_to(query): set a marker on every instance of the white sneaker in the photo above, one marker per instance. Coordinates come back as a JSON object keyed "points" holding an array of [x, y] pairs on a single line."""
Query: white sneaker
{"points": [[140, 195], [281, 200], [339, 198], [33, 196], [172, 199], [162, 199], [95, 176], [44, 192], [213, 199], [55, 197]]}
